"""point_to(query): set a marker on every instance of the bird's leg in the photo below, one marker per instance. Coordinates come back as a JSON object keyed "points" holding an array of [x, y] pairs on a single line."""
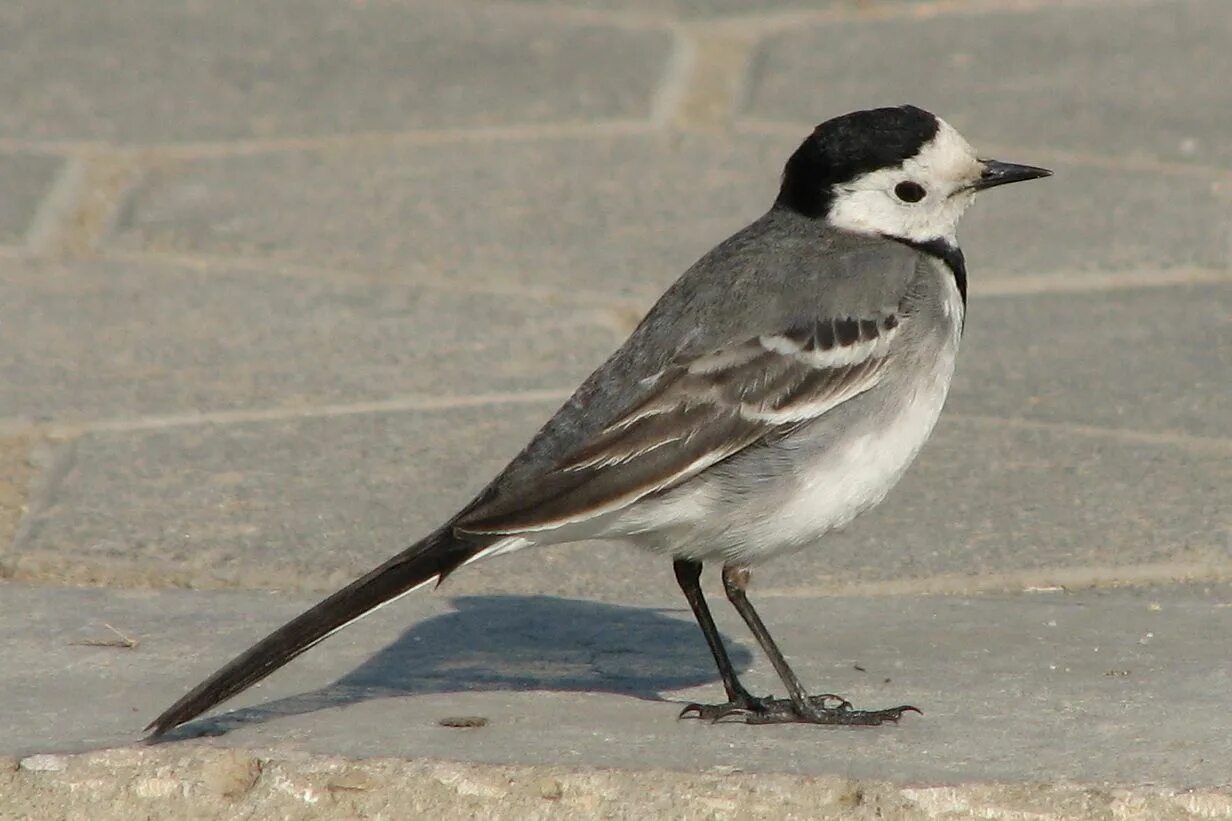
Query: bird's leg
{"points": [[688, 572], [798, 706]]}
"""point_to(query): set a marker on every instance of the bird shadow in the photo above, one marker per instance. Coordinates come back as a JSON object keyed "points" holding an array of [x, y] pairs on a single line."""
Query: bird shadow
{"points": [[507, 642]]}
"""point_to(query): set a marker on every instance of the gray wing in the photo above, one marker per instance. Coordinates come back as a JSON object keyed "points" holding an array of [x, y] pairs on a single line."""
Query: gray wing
{"points": [[780, 273], [697, 413]]}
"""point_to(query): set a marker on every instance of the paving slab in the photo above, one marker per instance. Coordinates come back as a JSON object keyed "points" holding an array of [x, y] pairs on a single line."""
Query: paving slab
{"points": [[148, 71], [703, 9], [622, 215], [1017, 688], [615, 215], [17, 471], [308, 504], [25, 181], [104, 340], [1154, 359], [986, 498], [372, 245], [1086, 218], [342, 490], [1062, 75]]}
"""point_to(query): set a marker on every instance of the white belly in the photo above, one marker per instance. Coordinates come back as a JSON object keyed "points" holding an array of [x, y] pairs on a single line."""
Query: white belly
{"points": [[847, 478], [811, 484], [853, 477]]}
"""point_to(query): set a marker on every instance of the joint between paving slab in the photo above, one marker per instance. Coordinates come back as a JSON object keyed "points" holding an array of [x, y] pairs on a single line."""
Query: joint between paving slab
{"points": [[706, 78], [704, 85], [1097, 281], [632, 20], [399, 404], [793, 130], [48, 467], [1172, 439], [677, 75], [1033, 580], [213, 263], [83, 203], [17, 476], [774, 22], [47, 568], [992, 284], [433, 403], [53, 568], [1135, 162], [246, 147]]}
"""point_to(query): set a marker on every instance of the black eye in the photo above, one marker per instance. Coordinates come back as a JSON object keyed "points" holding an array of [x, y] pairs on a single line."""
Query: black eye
{"points": [[909, 191]]}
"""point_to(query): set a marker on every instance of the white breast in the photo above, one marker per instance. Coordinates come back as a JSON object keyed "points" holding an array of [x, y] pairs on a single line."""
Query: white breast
{"points": [[852, 476]]}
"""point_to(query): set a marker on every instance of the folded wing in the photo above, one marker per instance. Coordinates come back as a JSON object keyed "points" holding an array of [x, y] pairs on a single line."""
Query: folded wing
{"points": [[697, 413]]}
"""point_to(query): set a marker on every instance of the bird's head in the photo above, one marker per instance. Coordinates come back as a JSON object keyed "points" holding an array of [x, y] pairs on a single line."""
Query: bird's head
{"points": [[899, 172]]}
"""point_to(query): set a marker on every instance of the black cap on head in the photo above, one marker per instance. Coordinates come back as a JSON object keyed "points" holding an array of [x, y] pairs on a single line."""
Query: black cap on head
{"points": [[845, 147]]}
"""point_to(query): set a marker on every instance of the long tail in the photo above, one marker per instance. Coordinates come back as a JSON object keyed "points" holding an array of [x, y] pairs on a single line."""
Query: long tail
{"points": [[429, 560]]}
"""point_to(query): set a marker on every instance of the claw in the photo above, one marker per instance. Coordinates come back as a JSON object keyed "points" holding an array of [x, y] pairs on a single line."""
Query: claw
{"points": [[820, 701], [717, 712], [826, 708], [713, 712], [726, 710]]}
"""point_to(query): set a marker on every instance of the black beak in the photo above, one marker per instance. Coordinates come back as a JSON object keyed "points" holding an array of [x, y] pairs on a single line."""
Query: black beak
{"points": [[1000, 173]]}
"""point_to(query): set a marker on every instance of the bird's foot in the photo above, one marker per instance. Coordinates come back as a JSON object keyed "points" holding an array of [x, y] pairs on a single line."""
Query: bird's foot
{"points": [[823, 709], [740, 706]]}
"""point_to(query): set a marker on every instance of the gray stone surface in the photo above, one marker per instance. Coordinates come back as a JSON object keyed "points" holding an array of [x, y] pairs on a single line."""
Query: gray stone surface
{"points": [[24, 181], [156, 70], [1098, 219], [610, 214], [986, 499], [1029, 687], [704, 9], [321, 268], [16, 471], [624, 214], [297, 504], [1097, 79], [1150, 359], [308, 505], [99, 340]]}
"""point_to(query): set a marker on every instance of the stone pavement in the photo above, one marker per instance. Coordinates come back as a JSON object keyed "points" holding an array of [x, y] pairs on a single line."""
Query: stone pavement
{"points": [[270, 274]]}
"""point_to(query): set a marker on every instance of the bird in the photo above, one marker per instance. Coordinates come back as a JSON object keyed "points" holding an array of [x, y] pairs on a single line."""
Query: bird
{"points": [[777, 390]]}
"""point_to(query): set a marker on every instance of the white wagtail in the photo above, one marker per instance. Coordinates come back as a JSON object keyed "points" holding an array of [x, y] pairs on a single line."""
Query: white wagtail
{"points": [[777, 390]]}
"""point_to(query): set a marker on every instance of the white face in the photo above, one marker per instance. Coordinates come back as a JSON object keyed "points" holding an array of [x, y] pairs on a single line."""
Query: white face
{"points": [[879, 202]]}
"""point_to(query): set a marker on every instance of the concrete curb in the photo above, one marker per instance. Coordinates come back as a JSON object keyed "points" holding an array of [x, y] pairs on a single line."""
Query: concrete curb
{"points": [[198, 781]]}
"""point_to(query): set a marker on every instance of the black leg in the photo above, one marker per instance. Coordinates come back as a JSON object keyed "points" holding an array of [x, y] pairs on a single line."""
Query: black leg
{"points": [[735, 583], [798, 706], [688, 572]]}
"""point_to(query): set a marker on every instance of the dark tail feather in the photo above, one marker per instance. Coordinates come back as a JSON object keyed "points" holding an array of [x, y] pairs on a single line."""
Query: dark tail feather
{"points": [[433, 558]]}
